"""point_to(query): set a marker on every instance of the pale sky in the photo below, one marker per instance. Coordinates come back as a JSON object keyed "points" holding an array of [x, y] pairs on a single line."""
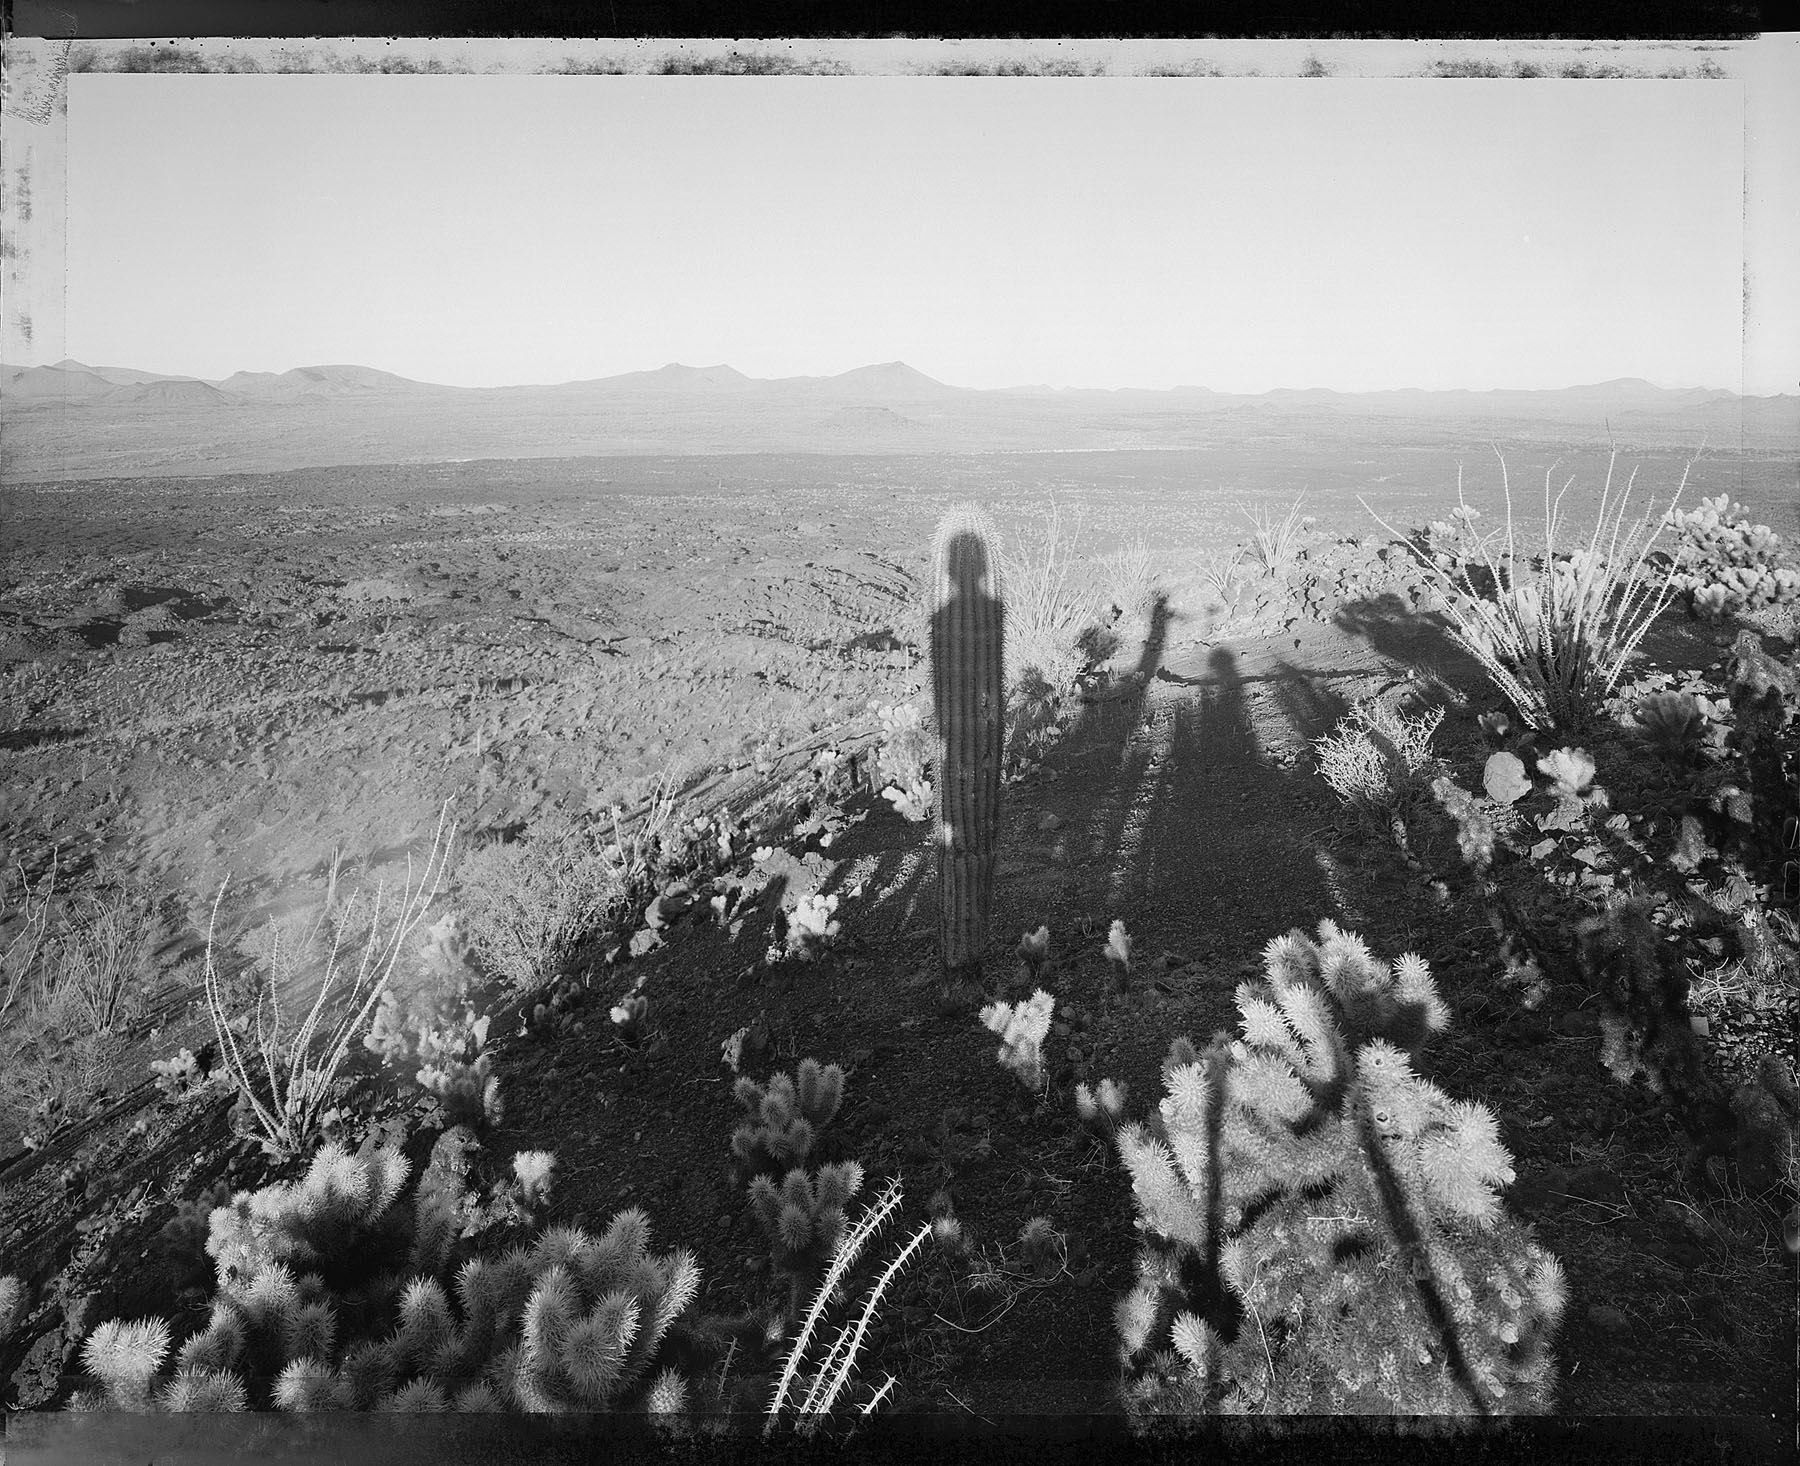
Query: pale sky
{"points": [[1239, 234]]}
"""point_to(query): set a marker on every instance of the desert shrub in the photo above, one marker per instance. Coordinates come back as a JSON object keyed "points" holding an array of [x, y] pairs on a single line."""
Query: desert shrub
{"points": [[1553, 634], [76, 976], [304, 1321], [526, 904], [1722, 564], [1128, 585], [1377, 758], [1050, 603], [288, 1072], [1323, 1227]]}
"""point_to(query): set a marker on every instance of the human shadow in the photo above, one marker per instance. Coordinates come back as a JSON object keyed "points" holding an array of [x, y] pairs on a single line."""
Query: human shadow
{"points": [[1401, 633], [1173, 816], [968, 708]]}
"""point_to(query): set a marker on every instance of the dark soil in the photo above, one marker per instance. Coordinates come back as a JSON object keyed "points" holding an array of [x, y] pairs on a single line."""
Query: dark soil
{"points": [[1182, 801]]}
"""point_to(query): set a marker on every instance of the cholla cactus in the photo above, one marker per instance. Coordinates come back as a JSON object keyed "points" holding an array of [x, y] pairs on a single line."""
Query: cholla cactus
{"points": [[1034, 951], [1674, 722], [1117, 953], [786, 1116], [1570, 770], [306, 1223], [628, 1017], [181, 1076], [812, 926], [1474, 825], [573, 1322], [439, 1037], [905, 745], [1022, 1029], [1324, 1230], [1042, 1248], [1724, 563], [533, 1170], [1101, 1108], [597, 1313], [804, 1217]]}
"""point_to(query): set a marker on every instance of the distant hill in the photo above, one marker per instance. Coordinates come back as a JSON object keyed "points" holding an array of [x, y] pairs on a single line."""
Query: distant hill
{"points": [[323, 381], [892, 381], [53, 383], [73, 420], [121, 376], [171, 392], [671, 378]]}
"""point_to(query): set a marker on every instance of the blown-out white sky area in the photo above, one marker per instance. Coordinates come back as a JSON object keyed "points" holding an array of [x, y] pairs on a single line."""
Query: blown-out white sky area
{"points": [[1240, 234]]}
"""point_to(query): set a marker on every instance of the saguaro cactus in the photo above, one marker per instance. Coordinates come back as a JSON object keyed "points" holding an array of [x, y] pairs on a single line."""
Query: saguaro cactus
{"points": [[969, 708]]}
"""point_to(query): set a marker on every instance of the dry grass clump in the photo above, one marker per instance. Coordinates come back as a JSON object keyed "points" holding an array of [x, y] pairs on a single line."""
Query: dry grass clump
{"points": [[1050, 603], [73, 976], [1276, 544], [1555, 632]]}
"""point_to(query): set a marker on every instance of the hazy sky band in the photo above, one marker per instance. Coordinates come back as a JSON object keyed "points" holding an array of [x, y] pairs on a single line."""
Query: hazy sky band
{"points": [[1240, 234]]}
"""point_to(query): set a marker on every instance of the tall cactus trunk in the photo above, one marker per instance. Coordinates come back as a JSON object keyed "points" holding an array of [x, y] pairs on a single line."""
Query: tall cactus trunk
{"points": [[969, 712]]}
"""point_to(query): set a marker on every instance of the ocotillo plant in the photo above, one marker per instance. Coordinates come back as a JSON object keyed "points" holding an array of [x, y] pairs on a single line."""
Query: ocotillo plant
{"points": [[968, 641]]}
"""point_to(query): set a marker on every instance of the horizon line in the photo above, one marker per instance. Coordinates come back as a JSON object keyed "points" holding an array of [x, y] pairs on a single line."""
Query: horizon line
{"points": [[69, 362]]}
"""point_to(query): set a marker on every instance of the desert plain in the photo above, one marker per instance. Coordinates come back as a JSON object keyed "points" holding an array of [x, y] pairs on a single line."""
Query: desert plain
{"points": [[255, 634]]}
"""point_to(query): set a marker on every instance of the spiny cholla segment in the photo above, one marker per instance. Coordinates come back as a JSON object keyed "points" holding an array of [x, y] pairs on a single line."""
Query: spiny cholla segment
{"points": [[1022, 1027], [969, 714], [571, 1323], [335, 1294], [1324, 1233], [786, 1116]]}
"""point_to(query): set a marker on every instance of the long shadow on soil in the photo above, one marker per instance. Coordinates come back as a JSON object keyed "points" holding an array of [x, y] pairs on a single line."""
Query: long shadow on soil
{"points": [[1178, 820]]}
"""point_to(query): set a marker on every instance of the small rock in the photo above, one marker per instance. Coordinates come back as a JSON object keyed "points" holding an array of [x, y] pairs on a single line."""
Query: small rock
{"points": [[1048, 821]]}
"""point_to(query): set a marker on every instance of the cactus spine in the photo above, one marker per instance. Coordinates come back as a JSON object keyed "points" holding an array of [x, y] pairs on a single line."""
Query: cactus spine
{"points": [[969, 707]]}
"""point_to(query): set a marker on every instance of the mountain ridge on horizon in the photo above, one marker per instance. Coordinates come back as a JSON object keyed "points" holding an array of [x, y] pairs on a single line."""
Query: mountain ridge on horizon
{"points": [[71, 379]]}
